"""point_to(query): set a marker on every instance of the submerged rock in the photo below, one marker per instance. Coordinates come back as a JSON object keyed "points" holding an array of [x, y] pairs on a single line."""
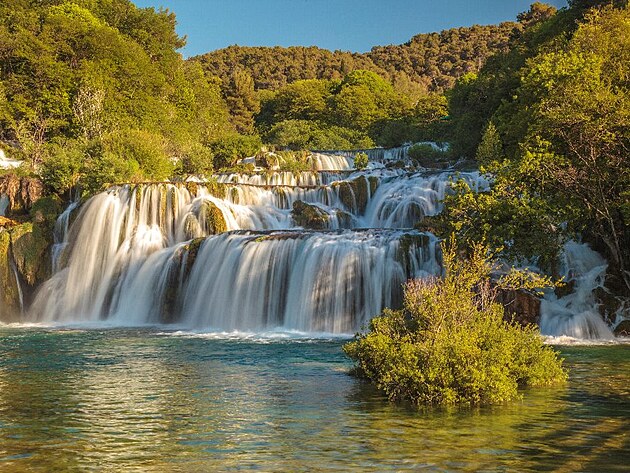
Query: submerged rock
{"points": [[623, 329]]}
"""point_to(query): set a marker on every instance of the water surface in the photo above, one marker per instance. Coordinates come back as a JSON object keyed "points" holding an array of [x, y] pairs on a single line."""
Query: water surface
{"points": [[151, 401]]}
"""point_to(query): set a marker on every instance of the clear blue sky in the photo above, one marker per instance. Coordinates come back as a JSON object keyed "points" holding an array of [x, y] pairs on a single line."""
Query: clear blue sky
{"points": [[349, 25]]}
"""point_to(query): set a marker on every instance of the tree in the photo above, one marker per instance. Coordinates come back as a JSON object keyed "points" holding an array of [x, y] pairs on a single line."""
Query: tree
{"points": [[490, 148], [578, 141], [241, 100]]}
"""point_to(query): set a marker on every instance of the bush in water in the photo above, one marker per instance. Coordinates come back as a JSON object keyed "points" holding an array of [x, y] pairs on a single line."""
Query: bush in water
{"points": [[360, 161], [450, 343]]}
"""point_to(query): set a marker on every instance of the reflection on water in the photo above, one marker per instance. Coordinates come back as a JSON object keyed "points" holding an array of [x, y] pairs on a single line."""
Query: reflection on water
{"points": [[146, 401]]}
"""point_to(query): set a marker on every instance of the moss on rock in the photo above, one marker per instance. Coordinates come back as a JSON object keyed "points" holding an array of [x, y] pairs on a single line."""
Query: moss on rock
{"points": [[309, 216], [211, 218], [9, 294], [30, 244], [354, 194]]}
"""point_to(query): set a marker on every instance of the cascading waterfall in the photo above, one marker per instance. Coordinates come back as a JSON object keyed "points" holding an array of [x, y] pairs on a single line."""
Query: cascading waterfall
{"points": [[575, 315], [60, 235], [129, 259], [236, 254], [331, 162], [284, 178], [381, 156], [4, 204]]}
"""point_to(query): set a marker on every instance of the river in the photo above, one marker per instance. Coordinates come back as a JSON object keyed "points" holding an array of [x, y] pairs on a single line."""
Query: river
{"points": [[155, 400]]}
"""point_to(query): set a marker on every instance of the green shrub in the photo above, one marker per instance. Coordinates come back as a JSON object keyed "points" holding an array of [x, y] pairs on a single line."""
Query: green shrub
{"points": [[360, 161], [196, 159], [106, 169], [61, 168], [229, 149], [304, 134], [145, 148], [426, 155], [451, 345]]}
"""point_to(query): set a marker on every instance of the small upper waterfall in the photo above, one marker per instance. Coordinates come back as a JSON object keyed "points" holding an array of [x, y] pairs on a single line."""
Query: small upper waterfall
{"points": [[4, 204]]}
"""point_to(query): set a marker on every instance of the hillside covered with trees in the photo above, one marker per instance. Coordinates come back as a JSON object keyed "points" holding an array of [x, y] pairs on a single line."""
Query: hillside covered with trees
{"points": [[97, 90], [430, 61]]}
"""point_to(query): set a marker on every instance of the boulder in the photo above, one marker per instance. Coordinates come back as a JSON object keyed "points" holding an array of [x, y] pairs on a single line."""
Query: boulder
{"points": [[520, 305], [309, 216]]}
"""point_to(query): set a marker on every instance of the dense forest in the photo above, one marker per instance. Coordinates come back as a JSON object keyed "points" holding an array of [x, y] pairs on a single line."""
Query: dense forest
{"points": [[429, 62], [97, 90]]}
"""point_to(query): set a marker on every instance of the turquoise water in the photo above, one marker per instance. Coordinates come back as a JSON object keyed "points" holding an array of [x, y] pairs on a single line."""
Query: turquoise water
{"points": [[150, 401]]}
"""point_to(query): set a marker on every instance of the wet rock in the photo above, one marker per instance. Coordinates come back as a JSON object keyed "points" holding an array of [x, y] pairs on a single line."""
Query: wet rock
{"points": [[30, 244], [623, 329], [520, 305], [211, 218], [565, 289], [354, 194], [22, 192], [608, 304], [309, 216], [9, 291]]}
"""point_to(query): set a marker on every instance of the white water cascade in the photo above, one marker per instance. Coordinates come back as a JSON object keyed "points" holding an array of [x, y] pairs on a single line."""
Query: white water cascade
{"points": [[575, 315], [150, 254], [237, 254], [4, 204]]}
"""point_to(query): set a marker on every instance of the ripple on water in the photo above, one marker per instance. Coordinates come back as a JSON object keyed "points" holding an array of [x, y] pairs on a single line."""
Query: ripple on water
{"points": [[156, 400]]}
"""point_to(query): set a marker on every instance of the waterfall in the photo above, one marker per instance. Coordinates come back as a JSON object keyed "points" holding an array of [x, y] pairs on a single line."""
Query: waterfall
{"points": [[575, 315], [4, 204], [162, 253], [331, 162], [283, 178], [385, 155], [8, 163], [60, 235], [317, 251]]}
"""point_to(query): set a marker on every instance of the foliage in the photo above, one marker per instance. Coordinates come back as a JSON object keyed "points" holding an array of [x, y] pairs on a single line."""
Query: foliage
{"points": [[508, 218], [450, 343], [490, 149], [425, 154], [555, 110], [305, 134], [231, 148], [429, 61], [101, 79], [323, 114], [196, 159], [145, 148], [61, 170], [241, 100], [360, 161]]}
